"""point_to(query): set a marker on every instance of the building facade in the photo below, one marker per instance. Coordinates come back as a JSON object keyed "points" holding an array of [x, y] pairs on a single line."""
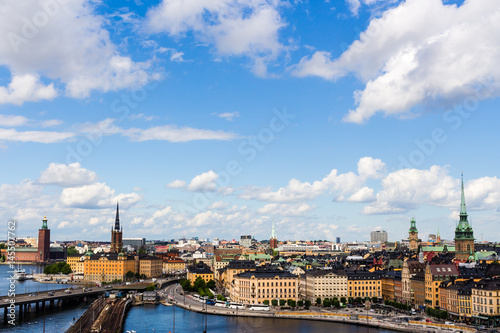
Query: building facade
{"points": [[254, 287], [364, 284], [378, 236], [323, 283]]}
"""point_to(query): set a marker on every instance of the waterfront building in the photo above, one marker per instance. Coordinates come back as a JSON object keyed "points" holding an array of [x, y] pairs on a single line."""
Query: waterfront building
{"points": [[108, 267], [378, 236], [77, 263], [323, 283], [150, 266], [413, 235], [226, 277], [199, 270], [417, 291], [389, 281], [486, 301], [364, 284], [254, 287], [464, 235], [116, 234], [434, 275]]}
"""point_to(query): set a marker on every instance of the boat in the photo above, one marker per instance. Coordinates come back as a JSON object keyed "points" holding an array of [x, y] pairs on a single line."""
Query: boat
{"points": [[19, 274], [166, 303]]}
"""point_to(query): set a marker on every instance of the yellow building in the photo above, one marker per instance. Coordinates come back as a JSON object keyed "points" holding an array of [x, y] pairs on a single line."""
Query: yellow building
{"points": [[486, 301], [434, 275], [173, 265], [193, 272], [233, 268], [364, 284], [254, 287], [107, 267], [150, 266], [76, 263]]}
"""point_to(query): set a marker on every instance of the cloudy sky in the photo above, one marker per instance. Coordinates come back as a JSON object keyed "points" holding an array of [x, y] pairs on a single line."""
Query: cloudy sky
{"points": [[211, 118]]}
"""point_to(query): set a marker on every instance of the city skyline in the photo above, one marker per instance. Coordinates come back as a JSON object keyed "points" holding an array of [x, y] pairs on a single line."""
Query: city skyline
{"points": [[209, 119]]}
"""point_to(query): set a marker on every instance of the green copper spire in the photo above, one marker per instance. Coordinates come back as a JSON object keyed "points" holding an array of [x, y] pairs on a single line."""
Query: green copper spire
{"points": [[273, 232], [462, 203], [413, 226], [463, 229], [44, 223]]}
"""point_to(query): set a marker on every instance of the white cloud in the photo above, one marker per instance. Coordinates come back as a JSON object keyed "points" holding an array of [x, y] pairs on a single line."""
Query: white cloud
{"points": [[34, 136], [285, 209], [354, 228], [67, 43], [176, 184], [421, 53], [26, 88], [206, 182], [97, 195], [233, 27], [228, 115], [342, 184], [12, 121], [63, 225], [407, 189], [173, 133], [67, 175], [365, 194], [219, 205]]}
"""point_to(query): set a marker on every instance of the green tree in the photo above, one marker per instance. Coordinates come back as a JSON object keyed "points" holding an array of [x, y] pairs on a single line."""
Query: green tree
{"points": [[359, 300], [351, 300], [289, 302], [318, 301], [374, 299], [3, 246], [151, 288], [129, 275], [266, 302], [186, 285], [274, 302], [300, 303], [72, 251], [343, 300], [327, 303], [199, 283], [336, 303], [211, 284], [142, 251], [293, 303], [282, 302], [307, 304]]}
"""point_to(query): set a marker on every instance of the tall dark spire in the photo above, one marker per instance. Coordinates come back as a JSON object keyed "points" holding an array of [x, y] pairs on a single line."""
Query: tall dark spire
{"points": [[117, 221]]}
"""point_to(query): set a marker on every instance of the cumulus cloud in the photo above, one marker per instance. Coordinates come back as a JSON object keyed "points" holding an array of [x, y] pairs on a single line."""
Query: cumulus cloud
{"points": [[219, 205], [97, 195], [342, 185], [12, 121], [66, 43], [206, 182], [232, 27], [422, 52], [67, 175]]}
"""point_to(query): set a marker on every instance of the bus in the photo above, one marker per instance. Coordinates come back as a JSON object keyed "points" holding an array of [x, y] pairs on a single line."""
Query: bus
{"points": [[236, 306], [259, 307], [220, 303], [210, 302]]}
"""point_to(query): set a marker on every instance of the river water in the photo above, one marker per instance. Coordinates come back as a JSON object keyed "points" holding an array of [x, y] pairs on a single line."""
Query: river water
{"points": [[157, 318]]}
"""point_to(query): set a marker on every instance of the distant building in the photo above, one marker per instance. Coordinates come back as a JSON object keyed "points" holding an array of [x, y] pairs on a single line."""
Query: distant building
{"points": [[135, 243], [246, 241], [378, 236], [273, 242], [413, 235], [337, 240], [116, 234]]}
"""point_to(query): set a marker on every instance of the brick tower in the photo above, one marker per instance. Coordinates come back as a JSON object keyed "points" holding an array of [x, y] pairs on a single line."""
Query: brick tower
{"points": [[44, 241]]}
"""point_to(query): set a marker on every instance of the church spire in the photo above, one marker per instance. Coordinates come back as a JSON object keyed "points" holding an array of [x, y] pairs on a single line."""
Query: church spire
{"points": [[117, 221], [273, 232], [463, 211]]}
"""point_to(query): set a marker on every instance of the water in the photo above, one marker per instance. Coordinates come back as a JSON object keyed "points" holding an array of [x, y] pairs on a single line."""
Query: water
{"points": [[56, 320], [160, 319]]}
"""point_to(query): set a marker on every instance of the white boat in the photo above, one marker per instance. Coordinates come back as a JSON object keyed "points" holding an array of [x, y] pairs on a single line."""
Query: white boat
{"points": [[20, 274]]}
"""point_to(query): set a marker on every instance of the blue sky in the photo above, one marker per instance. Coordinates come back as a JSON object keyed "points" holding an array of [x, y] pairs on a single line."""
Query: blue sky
{"points": [[209, 118]]}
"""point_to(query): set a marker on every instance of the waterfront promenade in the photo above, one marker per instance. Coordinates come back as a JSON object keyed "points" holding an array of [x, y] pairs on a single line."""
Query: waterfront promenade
{"points": [[354, 318]]}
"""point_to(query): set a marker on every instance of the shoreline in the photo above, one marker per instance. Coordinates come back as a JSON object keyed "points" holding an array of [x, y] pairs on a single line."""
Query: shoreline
{"points": [[333, 317]]}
